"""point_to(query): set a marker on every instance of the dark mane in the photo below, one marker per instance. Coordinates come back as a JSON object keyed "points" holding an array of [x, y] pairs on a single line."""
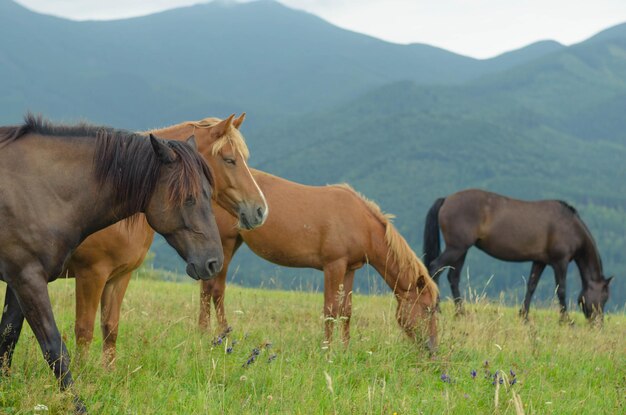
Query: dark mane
{"points": [[569, 207], [126, 161], [573, 210], [36, 124]]}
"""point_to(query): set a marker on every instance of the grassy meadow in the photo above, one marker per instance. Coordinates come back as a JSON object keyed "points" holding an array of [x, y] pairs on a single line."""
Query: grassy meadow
{"points": [[165, 365]]}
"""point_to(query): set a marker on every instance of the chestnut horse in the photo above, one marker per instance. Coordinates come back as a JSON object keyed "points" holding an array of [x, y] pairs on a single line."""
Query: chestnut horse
{"points": [[59, 184], [336, 230], [103, 263], [546, 232]]}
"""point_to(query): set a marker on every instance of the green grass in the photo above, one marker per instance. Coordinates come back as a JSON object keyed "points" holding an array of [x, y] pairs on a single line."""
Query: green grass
{"points": [[167, 366]]}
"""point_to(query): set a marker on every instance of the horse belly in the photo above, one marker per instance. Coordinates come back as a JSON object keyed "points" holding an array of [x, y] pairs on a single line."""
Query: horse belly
{"points": [[284, 247], [514, 248]]}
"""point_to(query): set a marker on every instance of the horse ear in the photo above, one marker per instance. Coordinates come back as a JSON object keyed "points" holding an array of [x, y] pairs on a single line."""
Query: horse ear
{"points": [[608, 281], [163, 151], [219, 129], [191, 140], [238, 121]]}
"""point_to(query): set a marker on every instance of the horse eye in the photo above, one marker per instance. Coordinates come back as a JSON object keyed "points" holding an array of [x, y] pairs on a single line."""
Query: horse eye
{"points": [[190, 201], [230, 161]]}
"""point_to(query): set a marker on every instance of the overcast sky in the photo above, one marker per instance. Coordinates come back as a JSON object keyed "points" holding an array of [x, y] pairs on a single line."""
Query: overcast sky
{"points": [[478, 28]]}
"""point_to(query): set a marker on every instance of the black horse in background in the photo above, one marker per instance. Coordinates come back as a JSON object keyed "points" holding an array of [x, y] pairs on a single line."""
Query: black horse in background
{"points": [[546, 232]]}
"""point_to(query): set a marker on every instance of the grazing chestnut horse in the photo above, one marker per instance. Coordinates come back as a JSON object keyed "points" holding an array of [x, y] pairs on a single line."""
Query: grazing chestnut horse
{"points": [[336, 230], [59, 184], [103, 263], [546, 232]]}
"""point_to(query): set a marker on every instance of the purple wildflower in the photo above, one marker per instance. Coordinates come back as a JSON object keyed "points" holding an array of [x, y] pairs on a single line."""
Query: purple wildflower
{"points": [[473, 373], [512, 373], [513, 381], [272, 357], [445, 378], [249, 361], [229, 349]]}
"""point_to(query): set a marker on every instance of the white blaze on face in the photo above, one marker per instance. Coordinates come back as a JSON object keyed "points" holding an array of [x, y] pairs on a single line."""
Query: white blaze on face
{"points": [[267, 208]]}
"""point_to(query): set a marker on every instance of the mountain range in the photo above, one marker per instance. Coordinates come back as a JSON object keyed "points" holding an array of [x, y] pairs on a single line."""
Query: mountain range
{"points": [[404, 124]]}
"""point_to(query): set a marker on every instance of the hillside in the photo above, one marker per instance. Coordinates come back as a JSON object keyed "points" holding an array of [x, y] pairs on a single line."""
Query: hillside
{"points": [[166, 365], [213, 58], [552, 128], [404, 124]]}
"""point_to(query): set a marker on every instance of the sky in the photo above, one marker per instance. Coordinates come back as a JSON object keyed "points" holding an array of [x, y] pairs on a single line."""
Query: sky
{"points": [[477, 28]]}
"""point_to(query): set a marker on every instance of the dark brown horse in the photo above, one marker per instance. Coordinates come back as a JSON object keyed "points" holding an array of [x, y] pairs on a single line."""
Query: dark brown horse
{"points": [[59, 184], [336, 230], [546, 232]]}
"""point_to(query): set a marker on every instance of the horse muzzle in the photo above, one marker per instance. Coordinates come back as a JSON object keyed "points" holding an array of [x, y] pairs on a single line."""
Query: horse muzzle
{"points": [[251, 217], [210, 269]]}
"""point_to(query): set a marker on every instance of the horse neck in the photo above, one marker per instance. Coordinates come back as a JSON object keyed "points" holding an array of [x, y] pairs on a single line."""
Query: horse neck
{"points": [[588, 259], [174, 132], [74, 192]]}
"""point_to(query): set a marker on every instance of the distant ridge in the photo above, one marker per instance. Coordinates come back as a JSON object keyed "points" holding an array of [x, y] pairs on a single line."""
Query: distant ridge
{"points": [[263, 56]]}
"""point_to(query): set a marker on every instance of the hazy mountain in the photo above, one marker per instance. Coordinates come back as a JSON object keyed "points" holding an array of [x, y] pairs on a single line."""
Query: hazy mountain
{"points": [[553, 127], [207, 59], [404, 124]]}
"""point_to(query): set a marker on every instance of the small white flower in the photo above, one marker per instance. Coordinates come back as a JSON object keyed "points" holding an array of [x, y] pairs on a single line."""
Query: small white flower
{"points": [[40, 408]]}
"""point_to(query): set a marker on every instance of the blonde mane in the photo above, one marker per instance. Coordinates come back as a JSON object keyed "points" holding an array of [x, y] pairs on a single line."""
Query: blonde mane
{"points": [[399, 250], [233, 136]]}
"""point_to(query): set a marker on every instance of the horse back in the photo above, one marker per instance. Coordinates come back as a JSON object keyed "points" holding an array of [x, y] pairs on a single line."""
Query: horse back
{"points": [[309, 226], [512, 229]]}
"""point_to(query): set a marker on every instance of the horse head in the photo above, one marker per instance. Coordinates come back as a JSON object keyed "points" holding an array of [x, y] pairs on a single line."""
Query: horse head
{"points": [[593, 298]]}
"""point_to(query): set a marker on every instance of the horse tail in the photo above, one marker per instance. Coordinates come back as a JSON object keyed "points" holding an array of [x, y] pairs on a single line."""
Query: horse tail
{"points": [[399, 250], [432, 245]]}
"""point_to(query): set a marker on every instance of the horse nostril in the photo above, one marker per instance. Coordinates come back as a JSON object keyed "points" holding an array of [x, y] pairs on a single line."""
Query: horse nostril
{"points": [[259, 212], [212, 265]]}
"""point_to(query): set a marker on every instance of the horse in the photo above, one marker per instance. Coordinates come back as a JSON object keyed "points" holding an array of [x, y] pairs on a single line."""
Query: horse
{"points": [[336, 230], [59, 184], [104, 262], [546, 232]]}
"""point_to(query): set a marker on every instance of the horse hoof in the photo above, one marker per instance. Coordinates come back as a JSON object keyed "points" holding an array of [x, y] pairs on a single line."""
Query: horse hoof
{"points": [[523, 315], [79, 406]]}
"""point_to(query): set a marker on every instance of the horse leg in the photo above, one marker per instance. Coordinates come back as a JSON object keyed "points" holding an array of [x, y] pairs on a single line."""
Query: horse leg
{"points": [[31, 291], [10, 329], [333, 293], [560, 273], [204, 318], [346, 307], [535, 274], [217, 294], [111, 305], [451, 256], [454, 277], [89, 286], [214, 289]]}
